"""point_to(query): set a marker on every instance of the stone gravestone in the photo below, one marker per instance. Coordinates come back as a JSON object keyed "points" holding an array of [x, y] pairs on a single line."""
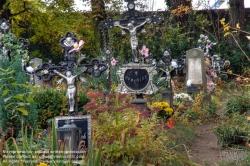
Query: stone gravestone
{"points": [[38, 62], [195, 66]]}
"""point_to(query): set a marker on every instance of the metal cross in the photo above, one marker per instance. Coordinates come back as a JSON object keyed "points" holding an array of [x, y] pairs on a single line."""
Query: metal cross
{"points": [[47, 70], [132, 21], [95, 67]]}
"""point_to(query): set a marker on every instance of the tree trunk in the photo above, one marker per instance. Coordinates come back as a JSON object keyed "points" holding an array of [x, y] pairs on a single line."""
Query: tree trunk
{"points": [[236, 13], [100, 32], [4, 13]]}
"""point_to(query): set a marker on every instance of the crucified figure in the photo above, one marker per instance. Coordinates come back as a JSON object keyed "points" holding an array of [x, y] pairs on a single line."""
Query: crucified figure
{"points": [[133, 39], [71, 87]]}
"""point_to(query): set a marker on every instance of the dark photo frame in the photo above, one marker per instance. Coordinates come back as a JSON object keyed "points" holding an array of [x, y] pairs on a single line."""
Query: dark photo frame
{"points": [[83, 122]]}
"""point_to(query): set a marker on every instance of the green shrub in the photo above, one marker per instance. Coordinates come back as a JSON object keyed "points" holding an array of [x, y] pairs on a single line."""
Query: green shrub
{"points": [[233, 131], [82, 100], [124, 133], [16, 104], [238, 104], [51, 103]]}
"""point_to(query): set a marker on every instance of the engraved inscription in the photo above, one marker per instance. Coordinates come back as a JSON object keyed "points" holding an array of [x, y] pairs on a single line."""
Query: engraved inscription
{"points": [[136, 79], [195, 70]]}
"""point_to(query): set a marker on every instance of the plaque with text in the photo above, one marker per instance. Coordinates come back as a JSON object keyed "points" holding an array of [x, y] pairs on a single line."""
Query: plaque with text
{"points": [[196, 66], [137, 78]]}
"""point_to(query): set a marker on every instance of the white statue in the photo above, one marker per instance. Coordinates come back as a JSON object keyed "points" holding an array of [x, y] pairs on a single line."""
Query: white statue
{"points": [[71, 87], [133, 39]]}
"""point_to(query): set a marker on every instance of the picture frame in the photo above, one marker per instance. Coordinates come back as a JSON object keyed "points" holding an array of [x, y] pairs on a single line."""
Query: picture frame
{"points": [[83, 122]]}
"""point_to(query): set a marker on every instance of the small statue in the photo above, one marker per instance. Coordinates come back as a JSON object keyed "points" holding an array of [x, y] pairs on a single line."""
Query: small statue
{"points": [[133, 39], [71, 89]]}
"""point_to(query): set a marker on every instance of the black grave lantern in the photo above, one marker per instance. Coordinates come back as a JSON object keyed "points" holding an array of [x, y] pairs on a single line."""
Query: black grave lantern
{"points": [[69, 136]]}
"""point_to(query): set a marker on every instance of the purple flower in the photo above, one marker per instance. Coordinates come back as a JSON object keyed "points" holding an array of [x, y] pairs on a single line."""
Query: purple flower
{"points": [[45, 132], [144, 51]]}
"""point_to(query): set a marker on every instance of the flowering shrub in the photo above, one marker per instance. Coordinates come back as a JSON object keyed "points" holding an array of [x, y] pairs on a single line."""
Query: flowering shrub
{"points": [[124, 133], [165, 111]]}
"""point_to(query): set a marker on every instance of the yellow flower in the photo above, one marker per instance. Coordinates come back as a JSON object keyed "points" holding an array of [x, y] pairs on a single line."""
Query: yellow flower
{"points": [[226, 34], [229, 71], [238, 26], [222, 21], [226, 27], [42, 164]]}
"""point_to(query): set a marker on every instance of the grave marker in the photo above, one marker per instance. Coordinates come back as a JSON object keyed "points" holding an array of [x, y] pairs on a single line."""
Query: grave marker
{"points": [[195, 66]]}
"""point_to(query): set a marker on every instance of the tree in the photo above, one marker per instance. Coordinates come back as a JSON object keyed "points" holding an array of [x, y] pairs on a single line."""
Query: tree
{"points": [[99, 15], [43, 22], [236, 13], [180, 9], [4, 11]]}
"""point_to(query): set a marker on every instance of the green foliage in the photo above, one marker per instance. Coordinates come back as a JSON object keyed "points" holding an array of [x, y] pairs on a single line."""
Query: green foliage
{"points": [[233, 131], [123, 133], [16, 101], [211, 107], [237, 104], [51, 103], [82, 100], [43, 23]]}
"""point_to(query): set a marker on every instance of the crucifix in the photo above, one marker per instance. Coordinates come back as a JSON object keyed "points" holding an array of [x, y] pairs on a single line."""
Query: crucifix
{"points": [[132, 21], [48, 71]]}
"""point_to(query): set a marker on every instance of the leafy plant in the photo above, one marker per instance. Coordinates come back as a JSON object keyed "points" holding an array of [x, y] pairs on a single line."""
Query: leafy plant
{"points": [[233, 131], [16, 102], [237, 104], [51, 103], [125, 134]]}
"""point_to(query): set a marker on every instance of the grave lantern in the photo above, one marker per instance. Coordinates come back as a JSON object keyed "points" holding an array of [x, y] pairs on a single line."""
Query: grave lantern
{"points": [[69, 136]]}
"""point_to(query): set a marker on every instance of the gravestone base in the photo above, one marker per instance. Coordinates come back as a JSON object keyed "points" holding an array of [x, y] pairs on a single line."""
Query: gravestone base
{"points": [[105, 93], [192, 89], [167, 96], [139, 101]]}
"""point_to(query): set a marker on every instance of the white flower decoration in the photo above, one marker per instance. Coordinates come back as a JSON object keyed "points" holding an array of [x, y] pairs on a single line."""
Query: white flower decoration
{"points": [[30, 69], [174, 64], [189, 83]]}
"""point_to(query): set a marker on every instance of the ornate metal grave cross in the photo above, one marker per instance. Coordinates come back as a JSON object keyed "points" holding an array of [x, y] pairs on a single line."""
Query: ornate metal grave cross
{"points": [[47, 70], [132, 21], [136, 77]]}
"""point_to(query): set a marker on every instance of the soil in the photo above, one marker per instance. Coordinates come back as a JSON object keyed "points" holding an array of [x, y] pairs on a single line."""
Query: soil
{"points": [[205, 149]]}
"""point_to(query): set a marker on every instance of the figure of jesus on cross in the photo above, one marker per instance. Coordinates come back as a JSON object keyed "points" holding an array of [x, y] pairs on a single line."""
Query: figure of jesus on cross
{"points": [[133, 39]]}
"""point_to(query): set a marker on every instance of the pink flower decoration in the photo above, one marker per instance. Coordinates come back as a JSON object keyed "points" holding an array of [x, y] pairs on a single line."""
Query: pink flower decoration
{"points": [[77, 47], [144, 51], [113, 62], [211, 84]]}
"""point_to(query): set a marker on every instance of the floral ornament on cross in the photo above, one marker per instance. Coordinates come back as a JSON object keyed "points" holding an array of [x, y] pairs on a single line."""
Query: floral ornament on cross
{"points": [[144, 51], [77, 46], [113, 62]]}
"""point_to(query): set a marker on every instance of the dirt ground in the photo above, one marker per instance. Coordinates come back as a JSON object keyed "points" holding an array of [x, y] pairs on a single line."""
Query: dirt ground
{"points": [[205, 150]]}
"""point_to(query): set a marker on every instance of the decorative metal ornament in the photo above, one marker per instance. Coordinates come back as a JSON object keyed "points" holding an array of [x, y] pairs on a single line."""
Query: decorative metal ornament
{"points": [[137, 78], [5, 25]]}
